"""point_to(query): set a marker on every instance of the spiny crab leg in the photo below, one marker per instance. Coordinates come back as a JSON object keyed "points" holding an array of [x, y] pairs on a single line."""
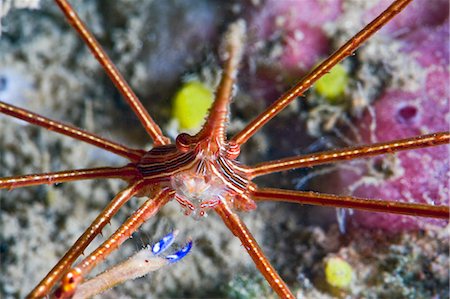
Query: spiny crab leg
{"points": [[126, 172], [240, 230], [116, 77], [297, 90], [146, 260], [74, 277], [71, 131], [374, 205], [86, 238], [349, 153]]}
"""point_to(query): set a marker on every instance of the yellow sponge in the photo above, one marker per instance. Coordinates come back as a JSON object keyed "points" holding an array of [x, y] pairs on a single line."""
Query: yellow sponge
{"points": [[338, 273], [332, 85], [191, 104]]}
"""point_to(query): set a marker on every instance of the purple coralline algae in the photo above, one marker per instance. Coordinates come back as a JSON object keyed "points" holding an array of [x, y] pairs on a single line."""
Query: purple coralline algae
{"points": [[285, 42], [289, 42], [419, 176]]}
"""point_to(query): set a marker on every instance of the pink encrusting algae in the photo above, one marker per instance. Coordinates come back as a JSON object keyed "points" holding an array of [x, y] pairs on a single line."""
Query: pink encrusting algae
{"points": [[420, 176], [293, 42], [303, 41], [285, 43]]}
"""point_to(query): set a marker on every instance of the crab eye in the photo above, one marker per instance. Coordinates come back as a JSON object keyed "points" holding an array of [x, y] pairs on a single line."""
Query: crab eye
{"points": [[184, 142]]}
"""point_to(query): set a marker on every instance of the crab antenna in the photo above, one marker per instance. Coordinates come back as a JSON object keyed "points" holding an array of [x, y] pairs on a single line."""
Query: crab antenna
{"points": [[116, 77], [297, 90], [232, 54]]}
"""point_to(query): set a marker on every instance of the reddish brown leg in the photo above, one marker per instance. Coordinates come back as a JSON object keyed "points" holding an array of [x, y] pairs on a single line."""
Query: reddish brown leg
{"points": [[126, 173], [336, 201], [148, 123], [344, 51], [52, 125], [147, 210], [43, 288], [240, 230], [349, 153]]}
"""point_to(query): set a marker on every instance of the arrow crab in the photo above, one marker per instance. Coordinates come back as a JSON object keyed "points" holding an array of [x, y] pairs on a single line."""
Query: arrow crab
{"points": [[204, 165]]}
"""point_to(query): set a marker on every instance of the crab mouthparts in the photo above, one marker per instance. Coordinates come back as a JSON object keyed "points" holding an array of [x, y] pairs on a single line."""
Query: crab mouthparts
{"points": [[197, 192]]}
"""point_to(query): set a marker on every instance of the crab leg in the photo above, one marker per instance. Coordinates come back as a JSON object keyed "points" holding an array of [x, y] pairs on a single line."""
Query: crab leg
{"points": [[374, 205], [126, 172], [43, 288], [75, 276], [131, 98], [76, 133], [349, 153], [297, 90], [240, 230], [140, 264]]}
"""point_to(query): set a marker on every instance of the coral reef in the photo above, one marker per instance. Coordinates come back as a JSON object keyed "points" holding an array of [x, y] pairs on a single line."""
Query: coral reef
{"points": [[156, 55]]}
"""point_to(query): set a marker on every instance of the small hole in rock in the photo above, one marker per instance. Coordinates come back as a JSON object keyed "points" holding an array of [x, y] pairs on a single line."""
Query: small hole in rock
{"points": [[406, 114], [3, 83]]}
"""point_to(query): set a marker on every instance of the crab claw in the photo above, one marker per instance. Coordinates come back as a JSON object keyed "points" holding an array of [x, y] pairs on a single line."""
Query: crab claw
{"points": [[164, 243], [147, 260], [177, 256]]}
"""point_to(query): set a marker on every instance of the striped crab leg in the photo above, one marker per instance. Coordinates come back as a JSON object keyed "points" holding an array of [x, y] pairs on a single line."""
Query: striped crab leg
{"points": [[75, 276], [240, 230], [373, 205], [351, 153], [347, 49], [71, 131], [44, 287], [148, 259], [116, 77], [126, 173]]}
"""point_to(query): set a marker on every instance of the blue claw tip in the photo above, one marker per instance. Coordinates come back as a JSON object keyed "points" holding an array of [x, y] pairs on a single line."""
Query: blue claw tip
{"points": [[163, 244], [173, 258]]}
